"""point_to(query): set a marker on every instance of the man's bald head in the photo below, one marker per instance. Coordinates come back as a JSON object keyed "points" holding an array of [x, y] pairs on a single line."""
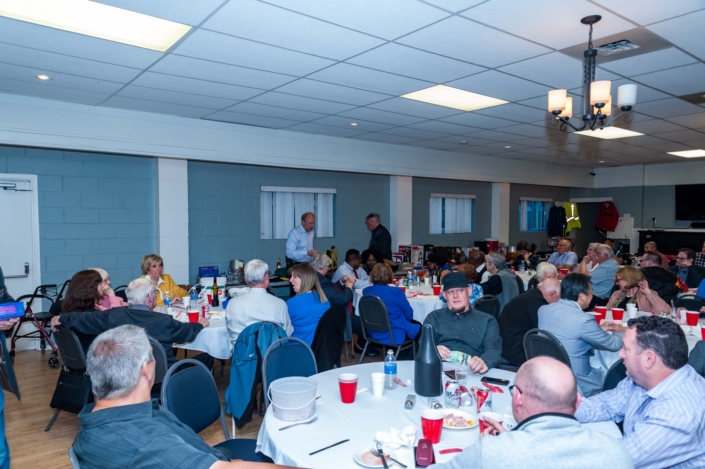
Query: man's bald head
{"points": [[551, 289], [546, 385]]}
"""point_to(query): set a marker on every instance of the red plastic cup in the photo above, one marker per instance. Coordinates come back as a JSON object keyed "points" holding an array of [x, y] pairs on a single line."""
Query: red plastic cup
{"points": [[432, 424], [493, 415], [702, 331], [617, 314], [193, 316], [348, 387], [601, 314], [691, 317], [564, 271], [601, 309], [596, 316], [437, 290], [402, 288], [210, 298]]}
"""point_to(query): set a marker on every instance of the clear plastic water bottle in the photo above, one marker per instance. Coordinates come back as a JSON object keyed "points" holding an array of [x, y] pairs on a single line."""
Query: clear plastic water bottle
{"points": [[390, 370], [522, 267], [167, 299]]}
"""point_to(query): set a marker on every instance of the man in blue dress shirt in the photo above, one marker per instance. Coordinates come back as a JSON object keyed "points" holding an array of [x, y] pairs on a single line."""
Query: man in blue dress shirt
{"points": [[564, 257], [299, 243]]}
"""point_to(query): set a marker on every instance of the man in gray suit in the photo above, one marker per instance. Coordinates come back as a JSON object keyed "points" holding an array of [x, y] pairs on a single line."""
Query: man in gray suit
{"points": [[578, 331]]}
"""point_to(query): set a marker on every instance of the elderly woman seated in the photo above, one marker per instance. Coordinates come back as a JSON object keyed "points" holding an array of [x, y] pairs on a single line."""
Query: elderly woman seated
{"points": [[109, 300], [634, 289], [153, 268], [543, 271]]}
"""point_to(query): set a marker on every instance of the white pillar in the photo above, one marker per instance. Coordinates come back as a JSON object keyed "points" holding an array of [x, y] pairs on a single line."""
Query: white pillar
{"points": [[500, 211], [400, 188], [171, 202]]}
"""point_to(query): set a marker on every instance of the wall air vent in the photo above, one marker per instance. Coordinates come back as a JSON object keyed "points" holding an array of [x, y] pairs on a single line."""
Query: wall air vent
{"points": [[616, 47]]}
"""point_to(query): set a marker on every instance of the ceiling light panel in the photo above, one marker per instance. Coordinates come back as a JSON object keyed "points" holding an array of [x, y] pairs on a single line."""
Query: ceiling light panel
{"points": [[609, 133], [97, 20], [447, 96], [688, 154]]}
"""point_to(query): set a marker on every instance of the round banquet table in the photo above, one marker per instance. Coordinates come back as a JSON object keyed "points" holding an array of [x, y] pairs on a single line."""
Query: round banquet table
{"points": [[214, 339], [360, 420], [525, 277], [423, 304]]}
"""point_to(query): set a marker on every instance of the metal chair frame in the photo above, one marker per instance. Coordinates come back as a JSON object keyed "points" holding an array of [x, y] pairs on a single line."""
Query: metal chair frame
{"points": [[380, 323], [41, 322], [546, 338]]}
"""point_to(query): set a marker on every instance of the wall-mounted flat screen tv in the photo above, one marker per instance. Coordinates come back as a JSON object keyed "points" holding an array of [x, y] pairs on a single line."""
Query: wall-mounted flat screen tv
{"points": [[690, 202]]}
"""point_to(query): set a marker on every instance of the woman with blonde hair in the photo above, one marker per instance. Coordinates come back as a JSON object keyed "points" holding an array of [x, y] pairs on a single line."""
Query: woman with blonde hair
{"points": [[634, 289], [309, 304], [153, 268]]}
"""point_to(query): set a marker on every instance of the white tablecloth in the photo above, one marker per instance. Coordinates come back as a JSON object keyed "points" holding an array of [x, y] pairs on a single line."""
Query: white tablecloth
{"points": [[359, 421], [525, 277], [422, 305], [214, 339]]}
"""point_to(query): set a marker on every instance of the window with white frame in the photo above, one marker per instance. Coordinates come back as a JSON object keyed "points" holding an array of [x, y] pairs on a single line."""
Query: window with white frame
{"points": [[281, 209], [451, 213], [533, 214]]}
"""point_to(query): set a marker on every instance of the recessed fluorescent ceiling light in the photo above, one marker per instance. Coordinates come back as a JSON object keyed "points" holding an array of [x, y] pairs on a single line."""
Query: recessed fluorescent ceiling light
{"points": [[43, 77], [97, 20], [609, 133], [454, 98], [688, 154]]}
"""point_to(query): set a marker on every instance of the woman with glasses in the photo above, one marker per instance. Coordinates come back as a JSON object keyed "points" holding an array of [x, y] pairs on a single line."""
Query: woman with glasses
{"points": [[634, 289]]}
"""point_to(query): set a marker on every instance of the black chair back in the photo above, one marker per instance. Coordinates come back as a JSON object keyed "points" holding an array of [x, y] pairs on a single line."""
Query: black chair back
{"points": [[690, 302], [190, 393], [162, 363], [696, 358], [120, 291], [72, 356], [374, 316], [540, 343], [488, 304], [287, 357], [329, 337], [520, 284], [615, 374], [533, 283]]}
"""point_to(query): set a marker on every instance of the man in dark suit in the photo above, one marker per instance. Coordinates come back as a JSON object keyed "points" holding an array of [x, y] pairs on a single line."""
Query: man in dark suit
{"points": [[662, 281], [690, 274], [521, 314]]}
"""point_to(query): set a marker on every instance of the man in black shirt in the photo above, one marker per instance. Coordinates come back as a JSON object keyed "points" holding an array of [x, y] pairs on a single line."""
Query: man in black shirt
{"points": [[521, 314], [381, 240], [690, 274]]}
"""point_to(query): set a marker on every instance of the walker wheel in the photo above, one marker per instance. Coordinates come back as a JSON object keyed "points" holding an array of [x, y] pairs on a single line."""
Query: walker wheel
{"points": [[53, 363]]}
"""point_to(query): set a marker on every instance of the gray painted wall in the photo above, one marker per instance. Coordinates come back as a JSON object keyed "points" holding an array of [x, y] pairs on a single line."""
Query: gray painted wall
{"points": [[95, 210], [224, 209], [516, 191], [423, 188]]}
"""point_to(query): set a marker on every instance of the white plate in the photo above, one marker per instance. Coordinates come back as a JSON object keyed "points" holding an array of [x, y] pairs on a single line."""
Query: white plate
{"points": [[467, 415], [364, 458]]}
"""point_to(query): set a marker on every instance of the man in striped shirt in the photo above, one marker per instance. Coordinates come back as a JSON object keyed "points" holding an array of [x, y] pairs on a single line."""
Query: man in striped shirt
{"points": [[661, 402]]}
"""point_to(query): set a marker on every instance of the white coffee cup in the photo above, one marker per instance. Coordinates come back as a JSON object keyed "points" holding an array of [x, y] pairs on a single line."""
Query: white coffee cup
{"points": [[427, 281], [187, 301], [631, 311], [377, 384]]}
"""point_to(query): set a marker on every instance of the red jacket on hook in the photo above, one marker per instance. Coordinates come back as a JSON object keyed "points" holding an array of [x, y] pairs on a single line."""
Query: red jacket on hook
{"points": [[607, 217]]}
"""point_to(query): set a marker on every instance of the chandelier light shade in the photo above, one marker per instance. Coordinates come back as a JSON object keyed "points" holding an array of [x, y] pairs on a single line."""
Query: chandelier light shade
{"points": [[596, 103], [556, 100]]}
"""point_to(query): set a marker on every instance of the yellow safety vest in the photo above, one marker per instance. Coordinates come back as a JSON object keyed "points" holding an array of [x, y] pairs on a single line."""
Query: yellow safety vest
{"points": [[572, 218]]}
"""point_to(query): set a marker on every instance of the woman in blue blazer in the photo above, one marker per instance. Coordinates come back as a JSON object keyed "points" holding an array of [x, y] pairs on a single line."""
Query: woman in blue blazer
{"points": [[310, 303]]}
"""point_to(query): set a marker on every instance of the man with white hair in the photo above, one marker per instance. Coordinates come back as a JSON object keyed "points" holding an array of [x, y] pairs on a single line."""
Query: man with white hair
{"points": [[141, 298], [602, 274], [256, 305], [124, 427], [499, 273], [321, 264]]}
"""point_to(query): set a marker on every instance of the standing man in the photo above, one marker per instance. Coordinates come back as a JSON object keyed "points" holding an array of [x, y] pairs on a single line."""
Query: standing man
{"points": [[4, 326], [299, 243], [564, 257], [381, 240]]}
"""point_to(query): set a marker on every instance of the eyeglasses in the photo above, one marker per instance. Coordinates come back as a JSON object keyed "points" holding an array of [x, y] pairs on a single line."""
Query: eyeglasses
{"points": [[512, 388], [681, 258]]}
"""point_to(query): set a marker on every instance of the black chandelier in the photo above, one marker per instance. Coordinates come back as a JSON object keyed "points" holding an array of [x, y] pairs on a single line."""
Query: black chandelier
{"points": [[597, 98]]}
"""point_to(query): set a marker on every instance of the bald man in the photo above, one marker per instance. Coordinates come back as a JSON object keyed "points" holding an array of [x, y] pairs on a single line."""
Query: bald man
{"points": [[544, 400], [521, 314], [651, 246]]}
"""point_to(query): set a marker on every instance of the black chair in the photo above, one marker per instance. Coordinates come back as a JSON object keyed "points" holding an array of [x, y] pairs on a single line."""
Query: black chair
{"points": [[190, 393], [690, 302], [283, 361], [375, 317], [520, 284], [120, 291], [533, 283], [488, 304], [73, 389], [162, 365], [615, 374], [329, 338], [696, 358], [540, 343]]}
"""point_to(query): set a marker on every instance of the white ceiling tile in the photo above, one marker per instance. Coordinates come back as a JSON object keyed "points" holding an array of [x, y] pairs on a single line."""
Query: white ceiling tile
{"points": [[384, 138], [415, 133], [444, 127], [671, 107], [679, 81], [651, 62], [157, 107], [692, 121], [368, 79], [649, 11], [331, 92], [217, 72], [251, 119], [383, 117], [454, 6], [414, 108], [500, 85], [190, 85], [502, 146], [644, 93], [555, 70], [272, 111], [469, 140], [434, 144], [231, 50], [541, 102], [180, 11], [535, 142], [76, 45], [139, 92], [269, 24], [472, 119], [555, 23], [682, 136], [344, 122], [686, 32], [300, 102], [50, 92], [310, 128], [514, 112], [530, 131], [414, 63], [495, 136], [461, 39], [670, 146], [653, 126], [49, 62], [388, 19], [18, 73]]}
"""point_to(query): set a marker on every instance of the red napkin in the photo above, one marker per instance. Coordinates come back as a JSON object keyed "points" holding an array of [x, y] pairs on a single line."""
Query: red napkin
{"points": [[450, 450]]}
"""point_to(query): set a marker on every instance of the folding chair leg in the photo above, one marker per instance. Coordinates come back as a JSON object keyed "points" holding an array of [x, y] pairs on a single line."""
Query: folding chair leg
{"points": [[53, 419], [352, 349], [222, 368], [345, 347], [364, 350]]}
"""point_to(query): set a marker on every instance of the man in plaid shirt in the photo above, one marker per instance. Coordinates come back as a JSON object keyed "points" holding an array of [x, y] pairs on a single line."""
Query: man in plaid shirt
{"points": [[700, 257]]}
